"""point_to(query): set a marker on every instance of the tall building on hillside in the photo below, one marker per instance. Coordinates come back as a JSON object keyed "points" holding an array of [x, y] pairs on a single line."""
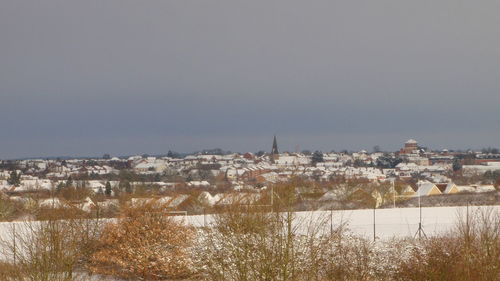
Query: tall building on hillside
{"points": [[411, 146]]}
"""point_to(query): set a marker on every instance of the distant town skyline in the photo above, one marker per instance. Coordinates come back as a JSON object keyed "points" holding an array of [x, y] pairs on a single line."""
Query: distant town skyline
{"points": [[84, 78], [296, 148]]}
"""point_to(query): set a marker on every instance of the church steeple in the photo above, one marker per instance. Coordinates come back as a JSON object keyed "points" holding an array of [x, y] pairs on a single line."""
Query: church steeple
{"points": [[275, 151]]}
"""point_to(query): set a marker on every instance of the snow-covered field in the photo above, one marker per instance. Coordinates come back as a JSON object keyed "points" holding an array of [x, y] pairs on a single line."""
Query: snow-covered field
{"points": [[398, 222]]}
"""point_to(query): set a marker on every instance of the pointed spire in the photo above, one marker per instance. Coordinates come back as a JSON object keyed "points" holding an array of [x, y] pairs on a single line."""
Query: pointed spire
{"points": [[275, 151]]}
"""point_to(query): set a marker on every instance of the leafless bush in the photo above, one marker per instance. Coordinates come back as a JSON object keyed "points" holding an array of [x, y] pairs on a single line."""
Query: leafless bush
{"points": [[10, 272], [49, 250], [246, 243], [9, 209], [470, 252], [251, 245], [248, 246], [146, 243]]}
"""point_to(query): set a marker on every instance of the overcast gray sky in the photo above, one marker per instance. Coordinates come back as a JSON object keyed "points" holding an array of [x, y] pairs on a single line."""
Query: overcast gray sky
{"points": [[124, 77]]}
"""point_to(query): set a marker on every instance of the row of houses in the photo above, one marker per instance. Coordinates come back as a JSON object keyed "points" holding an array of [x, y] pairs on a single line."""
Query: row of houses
{"points": [[172, 202], [426, 188]]}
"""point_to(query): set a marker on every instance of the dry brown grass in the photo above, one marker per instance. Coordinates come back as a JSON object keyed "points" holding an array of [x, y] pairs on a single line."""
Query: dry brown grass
{"points": [[10, 209], [9, 272]]}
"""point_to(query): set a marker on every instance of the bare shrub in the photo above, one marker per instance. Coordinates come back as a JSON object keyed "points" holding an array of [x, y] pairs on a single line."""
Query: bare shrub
{"points": [[246, 243], [247, 246], [50, 250], [349, 258], [470, 252], [252, 245], [145, 243], [9, 209], [60, 213], [10, 272]]}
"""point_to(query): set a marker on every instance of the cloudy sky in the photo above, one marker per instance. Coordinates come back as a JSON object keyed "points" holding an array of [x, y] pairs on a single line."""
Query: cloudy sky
{"points": [[125, 76]]}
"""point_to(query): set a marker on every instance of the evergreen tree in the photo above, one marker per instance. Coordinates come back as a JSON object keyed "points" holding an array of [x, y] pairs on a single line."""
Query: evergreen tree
{"points": [[14, 179], [260, 153], [69, 182], [59, 187], [125, 185], [173, 154], [128, 188], [456, 165], [317, 157], [388, 161], [108, 189], [157, 178]]}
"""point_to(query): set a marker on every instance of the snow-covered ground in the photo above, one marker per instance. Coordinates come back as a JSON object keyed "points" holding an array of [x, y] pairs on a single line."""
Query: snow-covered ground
{"points": [[398, 222]]}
